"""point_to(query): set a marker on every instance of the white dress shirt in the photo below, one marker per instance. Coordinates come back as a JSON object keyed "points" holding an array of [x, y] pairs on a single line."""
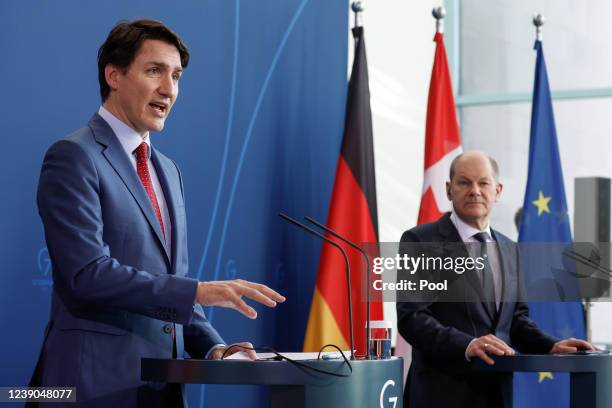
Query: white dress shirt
{"points": [[130, 140]]}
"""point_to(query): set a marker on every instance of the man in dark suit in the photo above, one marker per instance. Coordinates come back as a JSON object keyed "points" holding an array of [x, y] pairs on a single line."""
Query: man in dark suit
{"points": [[113, 211], [445, 336]]}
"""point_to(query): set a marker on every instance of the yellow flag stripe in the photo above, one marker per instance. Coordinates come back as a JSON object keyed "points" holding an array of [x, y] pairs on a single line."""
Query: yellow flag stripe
{"points": [[322, 327]]}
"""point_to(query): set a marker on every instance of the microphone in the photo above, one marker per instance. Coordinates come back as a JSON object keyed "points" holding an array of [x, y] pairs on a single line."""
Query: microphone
{"points": [[367, 261], [348, 270], [592, 261]]}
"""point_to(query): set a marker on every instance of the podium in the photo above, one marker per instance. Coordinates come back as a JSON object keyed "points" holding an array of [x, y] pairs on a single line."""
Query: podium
{"points": [[373, 383], [590, 375]]}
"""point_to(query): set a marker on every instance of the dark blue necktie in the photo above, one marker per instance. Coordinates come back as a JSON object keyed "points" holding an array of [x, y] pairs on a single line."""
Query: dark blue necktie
{"points": [[486, 276]]}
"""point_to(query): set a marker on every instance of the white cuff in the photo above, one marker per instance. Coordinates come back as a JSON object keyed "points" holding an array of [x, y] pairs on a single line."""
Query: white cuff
{"points": [[213, 348]]}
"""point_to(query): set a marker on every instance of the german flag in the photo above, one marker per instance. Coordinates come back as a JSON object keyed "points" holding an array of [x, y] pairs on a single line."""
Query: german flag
{"points": [[353, 214]]}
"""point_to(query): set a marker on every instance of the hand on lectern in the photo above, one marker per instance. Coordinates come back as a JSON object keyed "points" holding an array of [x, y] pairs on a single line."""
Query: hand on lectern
{"points": [[484, 346], [244, 347], [229, 294], [571, 345]]}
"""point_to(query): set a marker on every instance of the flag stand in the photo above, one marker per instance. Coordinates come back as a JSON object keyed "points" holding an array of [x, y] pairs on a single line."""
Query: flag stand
{"points": [[357, 8], [355, 181], [545, 179]]}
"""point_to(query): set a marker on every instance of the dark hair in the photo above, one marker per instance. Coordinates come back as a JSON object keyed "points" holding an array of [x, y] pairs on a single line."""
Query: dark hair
{"points": [[124, 42], [517, 218], [494, 166]]}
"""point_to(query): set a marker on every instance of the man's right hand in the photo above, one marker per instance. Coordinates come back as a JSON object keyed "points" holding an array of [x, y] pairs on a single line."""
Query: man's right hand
{"points": [[484, 346], [229, 294]]}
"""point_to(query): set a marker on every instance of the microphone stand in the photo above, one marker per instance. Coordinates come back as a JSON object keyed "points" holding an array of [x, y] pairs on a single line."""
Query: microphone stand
{"points": [[368, 267], [348, 271]]}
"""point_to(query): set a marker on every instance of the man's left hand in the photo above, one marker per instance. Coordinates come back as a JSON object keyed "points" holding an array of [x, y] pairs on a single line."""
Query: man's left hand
{"points": [[218, 352], [571, 345]]}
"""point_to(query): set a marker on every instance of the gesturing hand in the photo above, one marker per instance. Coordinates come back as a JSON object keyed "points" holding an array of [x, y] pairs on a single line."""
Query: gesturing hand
{"points": [[229, 294], [482, 347]]}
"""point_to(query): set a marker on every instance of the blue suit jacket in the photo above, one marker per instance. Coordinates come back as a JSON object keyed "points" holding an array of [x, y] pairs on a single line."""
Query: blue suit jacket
{"points": [[117, 292], [440, 332]]}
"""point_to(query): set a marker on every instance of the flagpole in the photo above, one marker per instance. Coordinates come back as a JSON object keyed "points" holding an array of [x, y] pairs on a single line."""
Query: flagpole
{"points": [[439, 13], [538, 22], [357, 8]]}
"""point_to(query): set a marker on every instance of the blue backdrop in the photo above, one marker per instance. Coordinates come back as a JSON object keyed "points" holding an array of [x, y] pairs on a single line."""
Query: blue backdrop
{"points": [[256, 130]]}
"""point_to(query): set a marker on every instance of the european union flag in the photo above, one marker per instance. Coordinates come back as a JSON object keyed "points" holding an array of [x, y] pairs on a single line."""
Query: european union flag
{"points": [[545, 219]]}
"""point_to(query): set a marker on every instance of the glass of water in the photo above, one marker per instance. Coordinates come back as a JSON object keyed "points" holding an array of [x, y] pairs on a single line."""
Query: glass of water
{"points": [[380, 340]]}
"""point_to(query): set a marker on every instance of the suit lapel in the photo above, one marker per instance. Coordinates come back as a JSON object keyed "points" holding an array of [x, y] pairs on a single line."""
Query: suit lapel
{"points": [[507, 267], [171, 196], [117, 158]]}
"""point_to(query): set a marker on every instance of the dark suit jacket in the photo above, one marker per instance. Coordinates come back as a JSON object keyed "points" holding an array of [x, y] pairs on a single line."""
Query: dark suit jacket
{"points": [[117, 292], [440, 332]]}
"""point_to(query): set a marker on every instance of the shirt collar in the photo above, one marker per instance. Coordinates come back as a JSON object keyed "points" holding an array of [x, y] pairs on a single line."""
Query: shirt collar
{"points": [[466, 231], [128, 137]]}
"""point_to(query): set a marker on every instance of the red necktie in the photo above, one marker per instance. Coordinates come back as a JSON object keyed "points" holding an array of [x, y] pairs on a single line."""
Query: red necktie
{"points": [[142, 166]]}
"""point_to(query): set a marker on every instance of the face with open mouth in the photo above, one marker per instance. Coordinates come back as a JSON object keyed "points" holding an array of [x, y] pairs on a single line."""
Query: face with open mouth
{"points": [[143, 95]]}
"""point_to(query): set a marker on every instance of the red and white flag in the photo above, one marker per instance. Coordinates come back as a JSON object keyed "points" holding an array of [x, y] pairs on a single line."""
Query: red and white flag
{"points": [[442, 145]]}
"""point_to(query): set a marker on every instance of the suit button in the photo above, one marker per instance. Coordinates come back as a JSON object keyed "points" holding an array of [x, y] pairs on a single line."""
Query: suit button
{"points": [[167, 328]]}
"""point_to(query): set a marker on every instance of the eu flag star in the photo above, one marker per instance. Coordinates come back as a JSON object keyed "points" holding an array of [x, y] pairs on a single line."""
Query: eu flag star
{"points": [[543, 375], [542, 203]]}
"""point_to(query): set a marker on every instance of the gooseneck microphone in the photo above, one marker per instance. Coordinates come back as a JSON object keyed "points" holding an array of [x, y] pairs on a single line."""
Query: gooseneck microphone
{"points": [[348, 271], [368, 266], [592, 261]]}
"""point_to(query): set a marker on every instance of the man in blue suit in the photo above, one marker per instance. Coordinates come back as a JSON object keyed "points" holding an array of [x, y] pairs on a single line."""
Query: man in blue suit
{"points": [[114, 217], [445, 336]]}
